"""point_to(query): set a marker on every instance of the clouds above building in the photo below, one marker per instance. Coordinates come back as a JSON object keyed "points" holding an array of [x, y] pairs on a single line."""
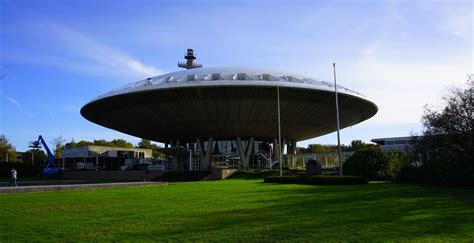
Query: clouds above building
{"points": [[60, 55]]}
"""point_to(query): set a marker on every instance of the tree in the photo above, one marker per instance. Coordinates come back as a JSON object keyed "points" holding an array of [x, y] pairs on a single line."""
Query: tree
{"points": [[321, 148], [329, 148], [71, 144], [121, 143], [452, 128], [36, 154], [102, 142], [357, 145], [145, 144], [58, 146], [447, 144], [302, 150], [83, 143], [7, 151]]}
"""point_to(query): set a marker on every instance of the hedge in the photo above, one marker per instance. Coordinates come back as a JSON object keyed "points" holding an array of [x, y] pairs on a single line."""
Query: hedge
{"points": [[23, 169], [252, 175], [317, 180], [180, 176]]}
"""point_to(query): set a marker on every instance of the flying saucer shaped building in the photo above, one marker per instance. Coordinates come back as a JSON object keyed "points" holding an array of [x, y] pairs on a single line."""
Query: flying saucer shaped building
{"points": [[227, 114]]}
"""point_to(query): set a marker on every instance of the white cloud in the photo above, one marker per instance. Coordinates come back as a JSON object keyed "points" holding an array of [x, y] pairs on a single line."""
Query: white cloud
{"points": [[454, 18], [86, 55], [17, 104], [458, 25], [101, 53], [49, 112], [140, 68], [401, 89]]}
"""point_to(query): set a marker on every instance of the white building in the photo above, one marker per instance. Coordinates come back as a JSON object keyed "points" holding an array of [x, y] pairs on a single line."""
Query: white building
{"points": [[103, 157], [394, 143]]}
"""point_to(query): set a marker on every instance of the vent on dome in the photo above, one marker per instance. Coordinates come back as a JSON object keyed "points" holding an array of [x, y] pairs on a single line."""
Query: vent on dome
{"points": [[148, 81], [242, 76], [191, 77], [182, 79], [213, 76], [135, 84], [309, 81], [227, 76], [268, 77], [327, 83], [292, 79], [171, 79]]}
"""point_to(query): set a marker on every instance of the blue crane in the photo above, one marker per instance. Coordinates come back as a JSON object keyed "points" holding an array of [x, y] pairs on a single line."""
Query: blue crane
{"points": [[49, 170]]}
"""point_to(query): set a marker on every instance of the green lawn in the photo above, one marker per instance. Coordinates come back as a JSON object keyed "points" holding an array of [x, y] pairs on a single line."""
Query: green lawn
{"points": [[242, 210]]}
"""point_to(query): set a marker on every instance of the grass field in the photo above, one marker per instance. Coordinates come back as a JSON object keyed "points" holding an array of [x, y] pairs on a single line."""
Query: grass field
{"points": [[242, 210]]}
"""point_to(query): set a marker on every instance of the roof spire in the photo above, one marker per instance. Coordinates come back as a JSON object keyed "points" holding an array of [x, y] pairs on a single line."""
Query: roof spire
{"points": [[189, 61]]}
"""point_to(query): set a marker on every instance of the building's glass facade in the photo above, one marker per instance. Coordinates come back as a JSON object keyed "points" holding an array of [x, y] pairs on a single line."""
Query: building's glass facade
{"points": [[226, 153]]}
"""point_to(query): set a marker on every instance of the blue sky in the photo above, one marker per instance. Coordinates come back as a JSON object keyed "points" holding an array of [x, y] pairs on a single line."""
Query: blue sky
{"points": [[58, 55]]}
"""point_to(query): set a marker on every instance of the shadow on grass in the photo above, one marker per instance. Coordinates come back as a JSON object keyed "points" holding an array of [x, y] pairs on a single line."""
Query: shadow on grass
{"points": [[244, 210], [364, 212]]}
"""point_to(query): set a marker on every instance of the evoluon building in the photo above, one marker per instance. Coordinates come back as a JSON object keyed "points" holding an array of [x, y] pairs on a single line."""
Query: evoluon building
{"points": [[227, 115]]}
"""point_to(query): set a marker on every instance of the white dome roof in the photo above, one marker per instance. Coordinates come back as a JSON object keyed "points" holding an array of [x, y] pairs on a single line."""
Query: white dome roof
{"points": [[230, 76]]}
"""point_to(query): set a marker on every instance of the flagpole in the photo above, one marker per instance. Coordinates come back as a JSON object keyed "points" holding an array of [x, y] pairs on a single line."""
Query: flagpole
{"points": [[337, 121], [280, 161]]}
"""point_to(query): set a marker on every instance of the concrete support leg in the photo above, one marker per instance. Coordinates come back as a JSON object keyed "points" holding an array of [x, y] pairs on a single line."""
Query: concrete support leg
{"points": [[279, 147], [275, 149], [291, 147], [283, 143], [245, 154], [205, 154], [201, 150]]}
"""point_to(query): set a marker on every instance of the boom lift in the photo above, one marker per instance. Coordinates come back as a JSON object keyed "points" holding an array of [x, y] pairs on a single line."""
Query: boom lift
{"points": [[49, 171]]}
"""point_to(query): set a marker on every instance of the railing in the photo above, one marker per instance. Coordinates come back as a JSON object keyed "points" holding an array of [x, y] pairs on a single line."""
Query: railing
{"points": [[268, 159]]}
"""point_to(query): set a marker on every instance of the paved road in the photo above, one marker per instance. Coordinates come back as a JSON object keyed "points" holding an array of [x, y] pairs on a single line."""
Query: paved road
{"points": [[45, 182], [43, 188]]}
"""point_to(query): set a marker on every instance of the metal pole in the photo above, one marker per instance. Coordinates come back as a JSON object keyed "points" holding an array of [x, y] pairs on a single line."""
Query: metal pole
{"points": [[280, 161], [338, 126]]}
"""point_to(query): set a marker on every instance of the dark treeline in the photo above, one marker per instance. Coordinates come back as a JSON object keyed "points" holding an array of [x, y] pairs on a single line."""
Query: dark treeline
{"points": [[355, 145], [101, 142], [443, 154]]}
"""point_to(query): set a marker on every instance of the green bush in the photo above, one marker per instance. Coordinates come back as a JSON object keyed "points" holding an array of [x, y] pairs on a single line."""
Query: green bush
{"points": [[251, 175], [337, 180], [437, 171], [370, 163], [183, 176], [317, 180], [376, 164], [285, 179]]}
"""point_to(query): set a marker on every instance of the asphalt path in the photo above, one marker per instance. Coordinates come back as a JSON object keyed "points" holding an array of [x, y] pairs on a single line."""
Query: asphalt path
{"points": [[67, 187]]}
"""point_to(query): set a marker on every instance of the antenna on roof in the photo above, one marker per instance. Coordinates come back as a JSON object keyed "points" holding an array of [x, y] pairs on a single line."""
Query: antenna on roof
{"points": [[189, 61]]}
